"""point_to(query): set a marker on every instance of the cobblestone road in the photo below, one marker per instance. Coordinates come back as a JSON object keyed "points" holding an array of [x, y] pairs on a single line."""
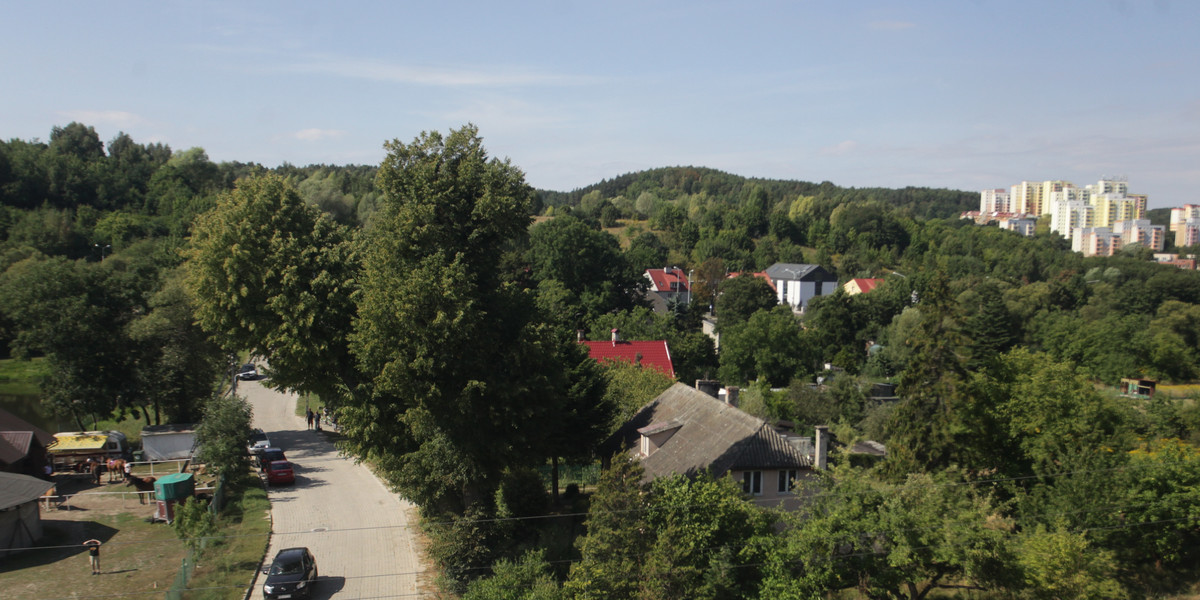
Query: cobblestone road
{"points": [[357, 529]]}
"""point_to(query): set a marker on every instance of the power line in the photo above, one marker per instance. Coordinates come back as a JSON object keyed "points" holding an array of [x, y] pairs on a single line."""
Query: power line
{"points": [[647, 509]]}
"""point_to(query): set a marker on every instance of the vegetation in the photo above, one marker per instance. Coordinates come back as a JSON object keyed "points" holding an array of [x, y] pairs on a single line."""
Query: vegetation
{"points": [[418, 302]]}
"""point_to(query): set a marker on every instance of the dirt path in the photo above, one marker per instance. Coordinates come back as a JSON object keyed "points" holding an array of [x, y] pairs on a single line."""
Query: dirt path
{"points": [[358, 530]]}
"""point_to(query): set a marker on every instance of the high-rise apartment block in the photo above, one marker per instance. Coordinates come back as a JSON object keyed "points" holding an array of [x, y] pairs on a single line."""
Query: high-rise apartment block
{"points": [[1066, 215], [994, 201], [1095, 241], [1185, 225], [1026, 198], [1142, 233]]}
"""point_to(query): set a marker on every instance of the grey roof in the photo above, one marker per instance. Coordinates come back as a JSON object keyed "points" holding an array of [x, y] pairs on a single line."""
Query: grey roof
{"points": [[14, 445], [172, 428], [11, 422], [798, 272], [711, 435], [16, 490]]}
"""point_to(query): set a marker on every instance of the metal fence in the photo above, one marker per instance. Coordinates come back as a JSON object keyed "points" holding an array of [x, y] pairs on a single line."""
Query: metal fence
{"points": [[175, 592]]}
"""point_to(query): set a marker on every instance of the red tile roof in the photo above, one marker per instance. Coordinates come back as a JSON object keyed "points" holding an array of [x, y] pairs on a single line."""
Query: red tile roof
{"points": [[662, 280], [866, 285], [761, 275], [653, 353]]}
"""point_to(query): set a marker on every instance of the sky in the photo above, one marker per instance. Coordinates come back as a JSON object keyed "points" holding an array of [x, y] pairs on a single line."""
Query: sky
{"points": [[961, 94]]}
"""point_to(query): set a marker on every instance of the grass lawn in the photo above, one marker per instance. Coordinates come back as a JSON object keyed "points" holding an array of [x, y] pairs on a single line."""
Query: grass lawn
{"points": [[19, 377], [311, 401], [137, 558], [226, 568]]}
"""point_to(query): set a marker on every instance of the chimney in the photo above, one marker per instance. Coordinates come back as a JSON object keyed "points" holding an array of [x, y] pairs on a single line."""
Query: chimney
{"points": [[579, 335], [822, 450], [616, 336], [731, 395], [708, 386]]}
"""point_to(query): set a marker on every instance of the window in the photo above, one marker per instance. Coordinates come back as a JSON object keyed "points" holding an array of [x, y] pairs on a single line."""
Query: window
{"points": [[752, 482], [787, 481]]}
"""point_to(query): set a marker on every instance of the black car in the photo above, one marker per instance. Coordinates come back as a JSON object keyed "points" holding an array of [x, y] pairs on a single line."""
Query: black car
{"points": [[247, 371], [267, 456], [292, 574]]}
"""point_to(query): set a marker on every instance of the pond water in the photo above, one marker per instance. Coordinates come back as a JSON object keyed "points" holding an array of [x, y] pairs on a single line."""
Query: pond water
{"points": [[29, 407]]}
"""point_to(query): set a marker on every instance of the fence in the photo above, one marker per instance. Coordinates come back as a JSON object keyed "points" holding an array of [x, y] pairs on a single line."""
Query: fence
{"points": [[179, 585], [581, 475]]}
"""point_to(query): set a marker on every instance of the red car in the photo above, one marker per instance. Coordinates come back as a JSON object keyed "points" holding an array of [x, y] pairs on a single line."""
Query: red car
{"points": [[279, 471]]}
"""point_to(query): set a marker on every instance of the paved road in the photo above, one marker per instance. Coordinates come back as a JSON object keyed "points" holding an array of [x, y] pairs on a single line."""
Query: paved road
{"points": [[357, 529]]}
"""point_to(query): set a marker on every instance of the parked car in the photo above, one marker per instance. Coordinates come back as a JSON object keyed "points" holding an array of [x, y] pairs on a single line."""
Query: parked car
{"points": [[267, 456], [279, 472], [258, 440], [247, 371], [292, 574]]}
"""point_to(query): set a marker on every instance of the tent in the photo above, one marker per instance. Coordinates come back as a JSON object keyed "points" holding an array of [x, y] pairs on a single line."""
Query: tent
{"points": [[169, 442], [20, 520]]}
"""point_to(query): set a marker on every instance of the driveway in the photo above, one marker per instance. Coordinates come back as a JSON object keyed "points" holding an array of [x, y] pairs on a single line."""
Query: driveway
{"points": [[361, 534]]}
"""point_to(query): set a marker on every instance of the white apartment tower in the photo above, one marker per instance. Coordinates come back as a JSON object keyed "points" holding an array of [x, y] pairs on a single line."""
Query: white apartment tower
{"points": [[994, 201], [1026, 198], [1185, 224]]}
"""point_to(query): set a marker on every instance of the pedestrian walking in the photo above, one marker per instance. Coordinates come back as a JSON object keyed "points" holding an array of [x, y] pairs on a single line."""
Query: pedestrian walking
{"points": [[93, 547], [310, 417]]}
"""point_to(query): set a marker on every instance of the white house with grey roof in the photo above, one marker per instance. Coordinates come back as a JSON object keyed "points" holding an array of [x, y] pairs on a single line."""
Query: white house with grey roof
{"points": [[796, 284]]}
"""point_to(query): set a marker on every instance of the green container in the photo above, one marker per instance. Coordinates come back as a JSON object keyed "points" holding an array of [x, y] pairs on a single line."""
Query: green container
{"points": [[176, 486]]}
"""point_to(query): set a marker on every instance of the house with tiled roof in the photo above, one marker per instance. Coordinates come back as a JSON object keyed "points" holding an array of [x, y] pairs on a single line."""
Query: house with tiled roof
{"points": [[687, 431], [796, 284], [652, 353], [761, 275], [860, 285], [667, 285], [22, 445]]}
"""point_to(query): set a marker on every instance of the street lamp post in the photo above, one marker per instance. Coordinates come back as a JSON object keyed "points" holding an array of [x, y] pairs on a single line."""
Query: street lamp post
{"points": [[102, 248]]}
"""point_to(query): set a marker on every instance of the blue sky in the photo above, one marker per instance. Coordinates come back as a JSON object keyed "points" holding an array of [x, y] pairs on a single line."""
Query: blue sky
{"points": [[964, 94]]}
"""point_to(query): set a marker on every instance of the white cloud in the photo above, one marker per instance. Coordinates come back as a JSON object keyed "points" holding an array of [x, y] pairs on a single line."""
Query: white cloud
{"points": [[316, 135], [890, 25], [117, 118], [839, 149], [446, 76]]}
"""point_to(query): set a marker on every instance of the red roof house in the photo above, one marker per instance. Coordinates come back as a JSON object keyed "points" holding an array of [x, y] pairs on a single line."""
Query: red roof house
{"points": [[861, 286], [651, 353], [668, 280], [761, 275]]}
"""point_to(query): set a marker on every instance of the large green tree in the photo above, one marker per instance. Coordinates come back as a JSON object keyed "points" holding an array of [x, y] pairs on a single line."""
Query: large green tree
{"points": [[587, 262], [769, 345], [272, 276], [741, 297], [465, 373]]}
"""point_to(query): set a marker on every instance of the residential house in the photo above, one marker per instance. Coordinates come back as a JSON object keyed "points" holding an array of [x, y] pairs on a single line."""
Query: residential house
{"points": [[22, 446], [688, 432], [653, 353], [860, 286], [796, 284], [667, 285]]}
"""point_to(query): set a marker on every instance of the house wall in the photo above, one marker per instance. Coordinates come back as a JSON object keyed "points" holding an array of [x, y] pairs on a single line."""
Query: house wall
{"points": [[771, 496], [797, 293]]}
